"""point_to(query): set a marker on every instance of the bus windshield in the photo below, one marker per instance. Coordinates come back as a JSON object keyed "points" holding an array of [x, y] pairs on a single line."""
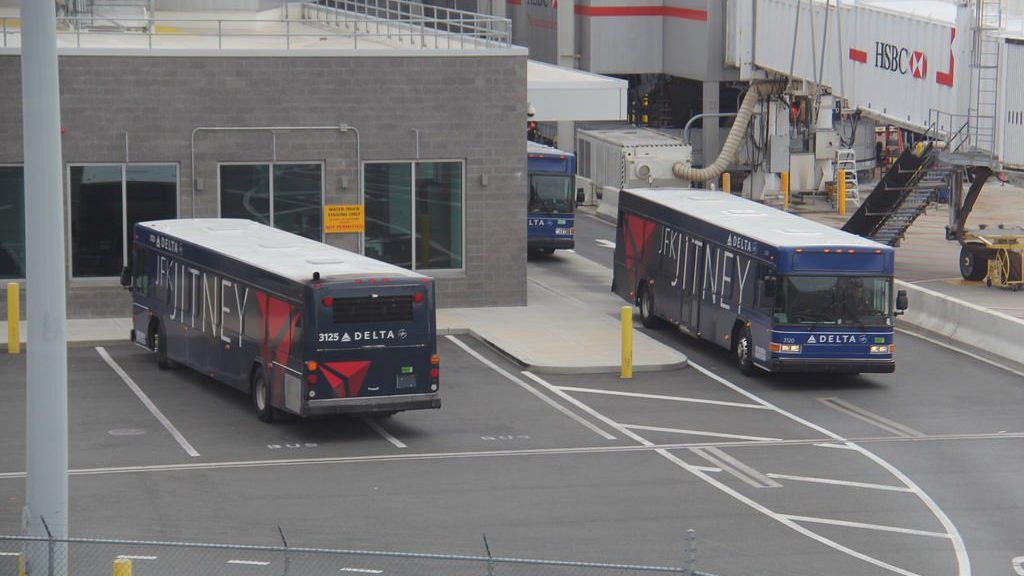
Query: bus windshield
{"points": [[860, 301], [550, 193]]}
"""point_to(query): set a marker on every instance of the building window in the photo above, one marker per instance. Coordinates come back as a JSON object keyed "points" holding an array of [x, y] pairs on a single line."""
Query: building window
{"points": [[106, 203], [12, 222], [414, 213], [285, 196]]}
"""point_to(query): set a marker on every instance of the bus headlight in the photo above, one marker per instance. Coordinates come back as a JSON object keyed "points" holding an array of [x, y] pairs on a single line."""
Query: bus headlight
{"points": [[879, 348], [790, 348]]}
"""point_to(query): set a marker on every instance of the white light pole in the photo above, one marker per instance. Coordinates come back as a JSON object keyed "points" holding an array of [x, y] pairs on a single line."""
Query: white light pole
{"points": [[46, 484]]}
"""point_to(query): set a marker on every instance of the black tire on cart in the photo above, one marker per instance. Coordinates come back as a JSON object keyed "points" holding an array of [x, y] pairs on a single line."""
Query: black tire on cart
{"points": [[973, 265]]}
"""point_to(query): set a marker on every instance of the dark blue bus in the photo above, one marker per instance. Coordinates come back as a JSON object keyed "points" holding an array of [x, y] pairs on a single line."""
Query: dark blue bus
{"points": [[783, 293], [302, 327], [550, 218]]}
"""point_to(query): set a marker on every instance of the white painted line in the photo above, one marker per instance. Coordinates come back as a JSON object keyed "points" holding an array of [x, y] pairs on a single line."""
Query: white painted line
{"points": [[570, 250], [707, 468], [1018, 565], [130, 557], [963, 560], [531, 389], [839, 446], [387, 435], [249, 562], [10, 553], [897, 529], [870, 417], [660, 397], [147, 402], [605, 243], [840, 482], [961, 350], [700, 433], [361, 570], [733, 466]]}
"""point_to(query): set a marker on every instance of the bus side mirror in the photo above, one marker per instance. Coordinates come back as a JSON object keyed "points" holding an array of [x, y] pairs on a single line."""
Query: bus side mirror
{"points": [[126, 277], [769, 286], [901, 301]]}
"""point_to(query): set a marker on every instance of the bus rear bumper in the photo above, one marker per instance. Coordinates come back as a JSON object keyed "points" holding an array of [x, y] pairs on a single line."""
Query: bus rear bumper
{"points": [[373, 404], [832, 366], [555, 243]]}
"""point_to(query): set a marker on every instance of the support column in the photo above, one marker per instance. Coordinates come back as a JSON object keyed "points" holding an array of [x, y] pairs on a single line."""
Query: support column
{"points": [[709, 124], [567, 58]]}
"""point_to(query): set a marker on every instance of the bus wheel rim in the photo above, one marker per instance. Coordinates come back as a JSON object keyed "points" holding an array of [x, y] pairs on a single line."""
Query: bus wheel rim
{"points": [[261, 391]]}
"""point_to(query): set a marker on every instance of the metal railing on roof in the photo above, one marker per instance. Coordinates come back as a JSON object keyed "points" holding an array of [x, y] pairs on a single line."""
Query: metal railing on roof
{"points": [[345, 24], [436, 24]]}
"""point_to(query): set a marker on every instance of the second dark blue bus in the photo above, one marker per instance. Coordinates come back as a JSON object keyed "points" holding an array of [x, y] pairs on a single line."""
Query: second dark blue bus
{"points": [[551, 207], [783, 293]]}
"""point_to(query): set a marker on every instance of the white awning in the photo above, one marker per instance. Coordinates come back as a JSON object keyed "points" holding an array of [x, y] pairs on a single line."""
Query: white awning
{"points": [[559, 93]]}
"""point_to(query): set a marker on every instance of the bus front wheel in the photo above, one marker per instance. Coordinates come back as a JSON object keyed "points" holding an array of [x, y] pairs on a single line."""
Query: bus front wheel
{"points": [[647, 317], [261, 395], [744, 347]]}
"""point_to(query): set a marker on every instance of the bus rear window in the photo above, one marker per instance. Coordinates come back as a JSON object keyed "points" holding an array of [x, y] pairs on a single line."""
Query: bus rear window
{"points": [[370, 309]]}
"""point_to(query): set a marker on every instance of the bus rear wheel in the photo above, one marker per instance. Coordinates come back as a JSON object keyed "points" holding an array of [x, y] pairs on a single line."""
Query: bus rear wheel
{"points": [[646, 303], [261, 395], [162, 361], [744, 355]]}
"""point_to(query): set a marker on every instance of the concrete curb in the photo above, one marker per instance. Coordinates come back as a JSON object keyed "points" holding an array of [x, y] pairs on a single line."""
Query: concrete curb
{"points": [[574, 369], [960, 321]]}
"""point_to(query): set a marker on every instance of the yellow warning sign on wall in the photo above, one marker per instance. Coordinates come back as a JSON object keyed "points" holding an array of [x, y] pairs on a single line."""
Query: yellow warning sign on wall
{"points": [[344, 218]]}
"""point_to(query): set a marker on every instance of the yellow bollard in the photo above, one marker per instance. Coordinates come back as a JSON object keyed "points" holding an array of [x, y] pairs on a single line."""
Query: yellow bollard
{"points": [[726, 183], [842, 193], [13, 319], [785, 189], [122, 567], [627, 342]]}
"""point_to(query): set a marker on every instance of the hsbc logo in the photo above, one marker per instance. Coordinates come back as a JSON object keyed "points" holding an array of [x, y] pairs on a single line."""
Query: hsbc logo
{"points": [[918, 64], [900, 60]]}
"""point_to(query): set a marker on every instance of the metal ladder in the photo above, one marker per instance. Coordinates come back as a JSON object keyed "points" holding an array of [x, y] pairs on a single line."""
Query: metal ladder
{"points": [[985, 74], [846, 159]]}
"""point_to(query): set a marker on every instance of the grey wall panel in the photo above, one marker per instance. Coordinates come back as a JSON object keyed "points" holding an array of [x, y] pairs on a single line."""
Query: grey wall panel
{"points": [[465, 108]]}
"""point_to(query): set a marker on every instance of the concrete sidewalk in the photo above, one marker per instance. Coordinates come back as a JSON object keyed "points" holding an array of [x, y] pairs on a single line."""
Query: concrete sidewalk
{"points": [[570, 324]]}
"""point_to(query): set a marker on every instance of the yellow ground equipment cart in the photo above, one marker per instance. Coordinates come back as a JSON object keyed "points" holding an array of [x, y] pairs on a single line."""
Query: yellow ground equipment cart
{"points": [[997, 252]]}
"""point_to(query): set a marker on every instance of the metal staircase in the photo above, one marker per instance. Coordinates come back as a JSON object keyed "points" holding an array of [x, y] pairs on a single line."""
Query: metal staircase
{"points": [[901, 196]]}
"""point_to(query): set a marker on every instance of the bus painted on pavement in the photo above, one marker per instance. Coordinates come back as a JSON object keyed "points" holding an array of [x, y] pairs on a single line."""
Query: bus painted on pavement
{"points": [[551, 206], [783, 293], [302, 327]]}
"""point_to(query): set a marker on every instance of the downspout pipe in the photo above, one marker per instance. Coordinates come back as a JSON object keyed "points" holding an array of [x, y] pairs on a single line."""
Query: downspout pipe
{"points": [[732, 142]]}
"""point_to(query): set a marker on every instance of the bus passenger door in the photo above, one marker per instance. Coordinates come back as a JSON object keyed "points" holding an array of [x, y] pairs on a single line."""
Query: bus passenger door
{"points": [[691, 291]]}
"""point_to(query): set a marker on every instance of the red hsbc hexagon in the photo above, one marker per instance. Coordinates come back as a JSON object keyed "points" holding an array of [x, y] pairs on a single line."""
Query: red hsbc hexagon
{"points": [[918, 64]]}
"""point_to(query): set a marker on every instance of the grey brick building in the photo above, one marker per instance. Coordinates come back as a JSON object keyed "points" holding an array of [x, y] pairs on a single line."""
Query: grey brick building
{"points": [[427, 136]]}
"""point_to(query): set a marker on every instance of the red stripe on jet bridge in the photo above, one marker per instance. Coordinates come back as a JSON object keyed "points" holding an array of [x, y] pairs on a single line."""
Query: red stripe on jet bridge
{"points": [[683, 13], [858, 56]]}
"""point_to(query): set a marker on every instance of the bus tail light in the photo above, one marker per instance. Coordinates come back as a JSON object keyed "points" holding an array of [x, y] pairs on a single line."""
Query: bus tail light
{"points": [[774, 346], [328, 302], [417, 297], [435, 360], [882, 348], [435, 370]]}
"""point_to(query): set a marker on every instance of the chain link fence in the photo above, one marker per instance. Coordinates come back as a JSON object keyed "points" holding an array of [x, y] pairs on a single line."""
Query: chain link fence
{"points": [[34, 556]]}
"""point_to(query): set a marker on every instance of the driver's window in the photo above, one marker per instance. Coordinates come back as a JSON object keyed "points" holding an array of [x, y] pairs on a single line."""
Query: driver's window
{"points": [[767, 292]]}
